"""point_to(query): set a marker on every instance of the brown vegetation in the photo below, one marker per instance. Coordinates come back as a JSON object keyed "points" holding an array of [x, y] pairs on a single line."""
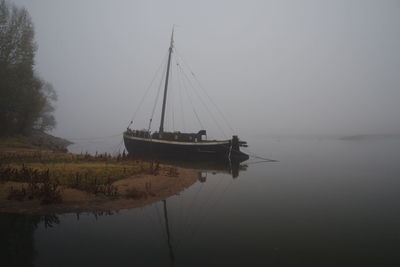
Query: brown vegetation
{"points": [[39, 186], [52, 180]]}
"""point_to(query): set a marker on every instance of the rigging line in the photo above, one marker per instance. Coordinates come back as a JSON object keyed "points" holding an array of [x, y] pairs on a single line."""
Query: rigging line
{"points": [[161, 224], [148, 88], [186, 218], [264, 159], [258, 162], [180, 215], [150, 220], [170, 101], [83, 146], [87, 142], [155, 103], [187, 93], [205, 211], [253, 155], [210, 209], [112, 148], [117, 148], [206, 93], [120, 146], [93, 138], [191, 103], [172, 95], [203, 208], [180, 97], [202, 101], [183, 218]]}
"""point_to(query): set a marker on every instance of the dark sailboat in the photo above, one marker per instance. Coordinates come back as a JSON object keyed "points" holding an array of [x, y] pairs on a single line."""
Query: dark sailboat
{"points": [[178, 144]]}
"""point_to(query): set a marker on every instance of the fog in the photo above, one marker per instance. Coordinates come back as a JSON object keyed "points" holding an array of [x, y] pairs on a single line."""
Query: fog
{"points": [[273, 67]]}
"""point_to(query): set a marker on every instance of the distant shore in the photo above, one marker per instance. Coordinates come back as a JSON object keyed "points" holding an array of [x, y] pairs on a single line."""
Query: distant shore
{"points": [[331, 136], [37, 140]]}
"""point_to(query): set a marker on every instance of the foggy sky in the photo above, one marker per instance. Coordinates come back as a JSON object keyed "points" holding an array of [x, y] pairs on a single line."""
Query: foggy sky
{"points": [[274, 67]]}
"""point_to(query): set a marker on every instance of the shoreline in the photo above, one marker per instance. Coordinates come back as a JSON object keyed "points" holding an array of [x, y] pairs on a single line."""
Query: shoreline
{"points": [[133, 194], [34, 180]]}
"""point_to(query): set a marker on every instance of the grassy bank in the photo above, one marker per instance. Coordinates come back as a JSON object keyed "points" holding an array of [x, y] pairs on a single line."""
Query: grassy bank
{"points": [[42, 174], [36, 180]]}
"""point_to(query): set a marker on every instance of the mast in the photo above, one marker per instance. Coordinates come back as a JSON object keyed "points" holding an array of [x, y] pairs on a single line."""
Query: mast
{"points": [[166, 83], [171, 252]]}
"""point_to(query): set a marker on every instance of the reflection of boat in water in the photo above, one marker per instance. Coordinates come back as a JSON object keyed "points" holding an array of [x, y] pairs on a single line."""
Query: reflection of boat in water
{"points": [[180, 144], [201, 165]]}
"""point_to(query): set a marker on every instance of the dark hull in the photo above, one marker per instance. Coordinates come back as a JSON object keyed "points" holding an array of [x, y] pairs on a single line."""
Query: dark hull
{"points": [[218, 150]]}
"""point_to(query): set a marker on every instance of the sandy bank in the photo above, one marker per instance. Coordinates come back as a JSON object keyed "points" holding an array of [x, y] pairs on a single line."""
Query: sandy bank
{"points": [[133, 192]]}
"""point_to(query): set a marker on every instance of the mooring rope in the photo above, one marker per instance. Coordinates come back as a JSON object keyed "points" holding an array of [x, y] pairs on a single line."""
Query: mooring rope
{"points": [[259, 157], [252, 155], [94, 138]]}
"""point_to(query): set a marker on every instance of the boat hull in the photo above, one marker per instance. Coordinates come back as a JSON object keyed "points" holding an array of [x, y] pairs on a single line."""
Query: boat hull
{"points": [[215, 150]]}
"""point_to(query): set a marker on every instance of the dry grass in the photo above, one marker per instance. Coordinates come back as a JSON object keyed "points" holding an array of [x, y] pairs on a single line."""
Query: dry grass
{"points": [[64, 172], [32, 178], [39, 185], [135, 193], [92, 174]]}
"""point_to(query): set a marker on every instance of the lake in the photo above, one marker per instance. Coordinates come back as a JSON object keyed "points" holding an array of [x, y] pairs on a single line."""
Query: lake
{"points": [[326, 202]]}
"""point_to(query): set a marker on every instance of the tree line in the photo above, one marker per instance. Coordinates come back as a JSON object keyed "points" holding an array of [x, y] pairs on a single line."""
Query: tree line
{"points": [[26, 100]]}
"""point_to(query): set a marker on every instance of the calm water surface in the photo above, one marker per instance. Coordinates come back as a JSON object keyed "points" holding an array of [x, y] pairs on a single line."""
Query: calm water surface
{"points": [[325, 203]]}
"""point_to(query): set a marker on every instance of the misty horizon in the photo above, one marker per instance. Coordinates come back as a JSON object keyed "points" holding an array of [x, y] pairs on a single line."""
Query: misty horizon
{"points": [[308, 67]]}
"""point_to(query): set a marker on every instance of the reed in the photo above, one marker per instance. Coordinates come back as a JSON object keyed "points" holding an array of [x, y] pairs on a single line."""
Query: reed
{"points": [[38, 186]]}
